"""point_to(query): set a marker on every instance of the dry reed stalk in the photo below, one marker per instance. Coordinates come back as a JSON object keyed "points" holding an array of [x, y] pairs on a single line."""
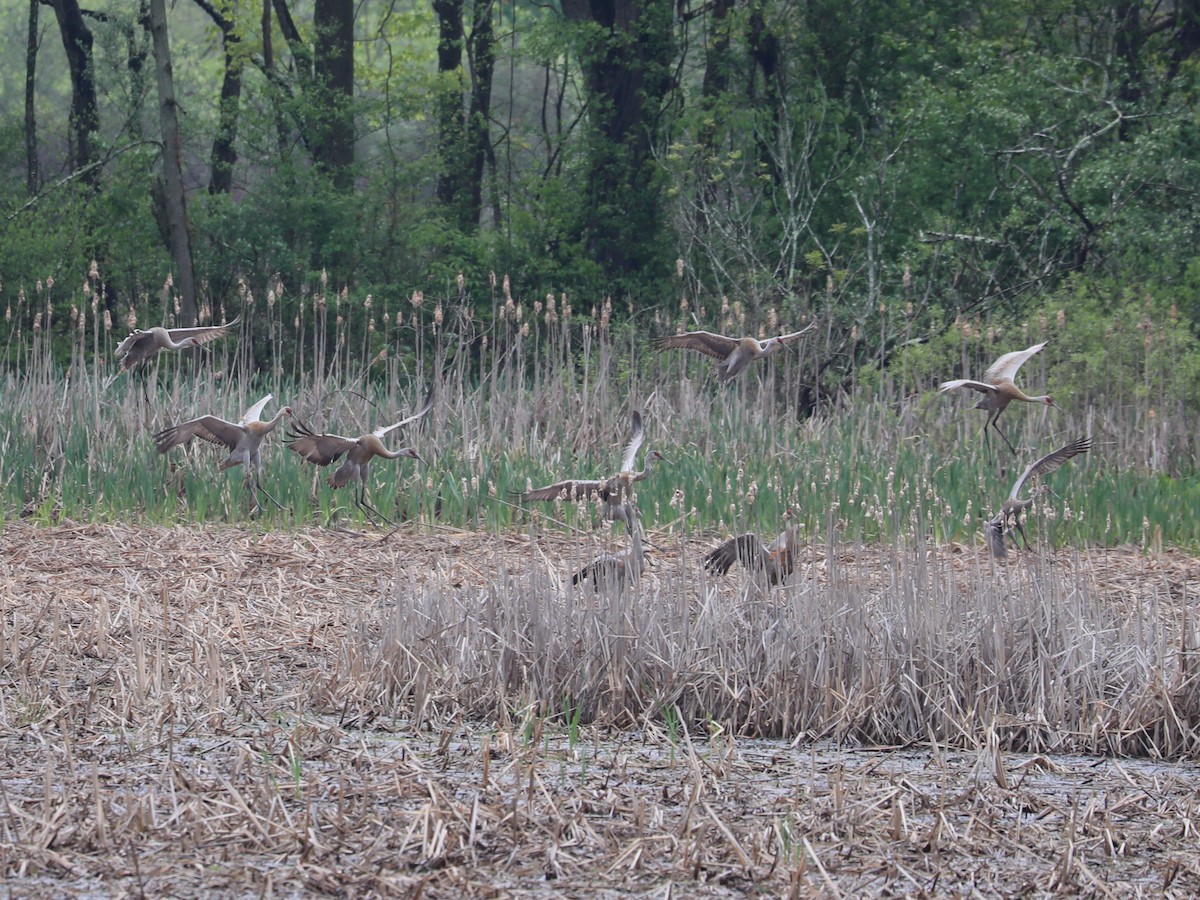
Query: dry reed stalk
{"points": [[316, 711]]}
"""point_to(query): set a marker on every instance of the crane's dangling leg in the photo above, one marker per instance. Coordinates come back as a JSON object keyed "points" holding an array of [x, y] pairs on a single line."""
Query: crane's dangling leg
{"points": [[992, 423], [372, 512], [259, 489], [1021, 528]]}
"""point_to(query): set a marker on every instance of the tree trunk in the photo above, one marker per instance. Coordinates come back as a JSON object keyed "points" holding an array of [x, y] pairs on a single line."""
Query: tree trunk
{"points": [[174, 200], [479, 137], [224, 147], [85, 119], [451, 136], [268, 51], [627, 73], [333, 57], [33, 177]]}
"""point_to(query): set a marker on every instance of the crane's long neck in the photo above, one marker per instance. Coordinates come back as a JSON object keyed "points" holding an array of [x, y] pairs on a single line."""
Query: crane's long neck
{"points": [[272, 424], [1021, 395], [647, 465]]}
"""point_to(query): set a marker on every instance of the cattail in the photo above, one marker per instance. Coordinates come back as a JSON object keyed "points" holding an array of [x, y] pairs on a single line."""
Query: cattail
{"points": [[418, 297], [462, 283], [505, 289], [437, 315], [94, 270], [492, 285], [906, 278], [131, 319], [367, 303]]}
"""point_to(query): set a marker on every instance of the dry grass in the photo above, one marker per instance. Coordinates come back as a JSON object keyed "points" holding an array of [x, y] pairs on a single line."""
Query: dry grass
{"points": [[232, 712]]}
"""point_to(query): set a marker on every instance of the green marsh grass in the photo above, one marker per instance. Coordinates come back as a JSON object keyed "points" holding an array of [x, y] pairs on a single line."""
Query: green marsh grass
{"points": [[532, 392]]}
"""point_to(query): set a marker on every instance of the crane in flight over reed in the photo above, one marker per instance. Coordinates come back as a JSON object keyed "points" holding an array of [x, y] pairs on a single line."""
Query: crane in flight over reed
{"points": [[733, 355], [775, 561], [1012, 508], [616, 571], [612, 491], [243, 439], [143, 345], [326, 449], [998, 388]]}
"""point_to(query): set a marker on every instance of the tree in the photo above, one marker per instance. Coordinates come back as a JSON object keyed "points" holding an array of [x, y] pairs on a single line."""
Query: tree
{"points": [[464, 135], [333, 89], [33, 176], [85, 119], [224, 146], [174, 200], [626, 50]]}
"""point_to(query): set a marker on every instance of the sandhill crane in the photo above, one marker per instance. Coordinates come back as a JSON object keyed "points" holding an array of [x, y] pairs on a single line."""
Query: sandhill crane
{"points": [[325, 449], [732, 354], [143, 345], [617, 570], [615, 489], [776, 561], [998, 388], [243, 439], [1012, 508]]}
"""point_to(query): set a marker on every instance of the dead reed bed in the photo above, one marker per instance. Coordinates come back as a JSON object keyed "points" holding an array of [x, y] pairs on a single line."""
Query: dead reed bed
{"points": [[232, 711]]}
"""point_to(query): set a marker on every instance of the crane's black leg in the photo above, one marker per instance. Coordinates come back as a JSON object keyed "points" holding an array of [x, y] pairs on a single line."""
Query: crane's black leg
{"points": [[992, 422], [1021, 528], [366, 507], [259, 489]]}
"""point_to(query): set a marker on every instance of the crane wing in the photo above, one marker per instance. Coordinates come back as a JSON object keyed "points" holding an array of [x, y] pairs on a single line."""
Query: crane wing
{"points": [[207, 428], [638, 434], [788, 338], [1050, 462], [715, 345], [203, 334], [568, 490], [321, 449], [745, 548], [981, 386], [428, 405], [254, 413], [1005, 368], [130, 342]]}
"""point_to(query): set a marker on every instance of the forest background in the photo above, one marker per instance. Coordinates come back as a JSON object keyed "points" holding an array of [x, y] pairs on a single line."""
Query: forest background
{"points": [[915, 175]]}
